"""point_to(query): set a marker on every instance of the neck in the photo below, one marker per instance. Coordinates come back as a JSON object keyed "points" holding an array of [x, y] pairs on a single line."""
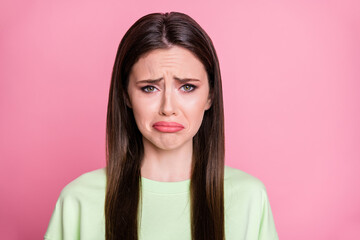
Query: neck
{"points": [[166, 165]]}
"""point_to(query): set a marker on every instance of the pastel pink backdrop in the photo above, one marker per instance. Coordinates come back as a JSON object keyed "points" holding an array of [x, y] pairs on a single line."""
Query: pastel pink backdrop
{"points": [[291, 89]]}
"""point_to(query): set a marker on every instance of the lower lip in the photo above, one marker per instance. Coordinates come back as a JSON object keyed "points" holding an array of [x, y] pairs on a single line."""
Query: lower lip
{"points": [[168, 129]]}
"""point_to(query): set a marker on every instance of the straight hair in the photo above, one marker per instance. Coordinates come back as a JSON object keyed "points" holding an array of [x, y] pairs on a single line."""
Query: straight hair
{"points": [[124, 146]]}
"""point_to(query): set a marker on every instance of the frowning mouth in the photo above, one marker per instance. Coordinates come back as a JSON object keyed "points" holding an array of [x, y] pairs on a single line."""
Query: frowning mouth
{"points": [[169, 127]]}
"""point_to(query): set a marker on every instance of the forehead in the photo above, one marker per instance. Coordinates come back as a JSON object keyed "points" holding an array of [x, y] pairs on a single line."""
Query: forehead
{"points": [[174, 61]]}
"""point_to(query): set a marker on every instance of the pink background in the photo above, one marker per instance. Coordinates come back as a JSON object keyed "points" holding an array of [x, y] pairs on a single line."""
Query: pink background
{"points": [[291, 78]]}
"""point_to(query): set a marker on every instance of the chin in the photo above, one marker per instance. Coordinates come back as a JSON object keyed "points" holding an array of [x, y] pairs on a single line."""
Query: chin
{"points": [[165, 144], [168, 146]]}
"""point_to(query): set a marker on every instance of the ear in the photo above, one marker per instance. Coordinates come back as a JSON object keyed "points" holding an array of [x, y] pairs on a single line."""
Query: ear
{"points": [[208, 104], [127, 101]]}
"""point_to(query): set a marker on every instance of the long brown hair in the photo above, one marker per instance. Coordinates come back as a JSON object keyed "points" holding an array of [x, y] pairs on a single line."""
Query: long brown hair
{"points": [[124, 147]]}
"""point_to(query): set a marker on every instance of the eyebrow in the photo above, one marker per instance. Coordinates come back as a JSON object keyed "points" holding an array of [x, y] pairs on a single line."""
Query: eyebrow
{"points": [[182, 80]]}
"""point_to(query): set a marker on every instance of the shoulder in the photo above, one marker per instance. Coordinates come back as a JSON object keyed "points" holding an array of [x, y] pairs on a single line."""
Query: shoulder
{"points": [[242, 189], [246, 202], [240, 181], [87, 184], [79, 208]]}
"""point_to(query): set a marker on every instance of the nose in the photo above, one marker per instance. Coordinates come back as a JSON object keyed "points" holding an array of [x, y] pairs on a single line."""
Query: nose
{"points": [[168, 105]]}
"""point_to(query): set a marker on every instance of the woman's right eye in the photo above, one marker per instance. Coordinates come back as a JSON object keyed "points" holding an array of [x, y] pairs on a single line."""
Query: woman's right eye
{"points": [[148, 89]]}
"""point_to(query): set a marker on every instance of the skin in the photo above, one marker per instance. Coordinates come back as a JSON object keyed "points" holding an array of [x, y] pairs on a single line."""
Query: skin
{"points": [[167, 156]]}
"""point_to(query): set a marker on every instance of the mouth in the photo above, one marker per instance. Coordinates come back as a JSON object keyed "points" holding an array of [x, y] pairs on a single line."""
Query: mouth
{"points": [[168, 127]]}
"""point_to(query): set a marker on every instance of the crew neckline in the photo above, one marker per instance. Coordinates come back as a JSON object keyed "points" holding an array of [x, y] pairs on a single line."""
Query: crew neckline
{"points": [[149, 185]]}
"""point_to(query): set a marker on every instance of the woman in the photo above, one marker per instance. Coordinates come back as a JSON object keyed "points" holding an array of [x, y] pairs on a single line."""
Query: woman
{"points": [[165, 176]]}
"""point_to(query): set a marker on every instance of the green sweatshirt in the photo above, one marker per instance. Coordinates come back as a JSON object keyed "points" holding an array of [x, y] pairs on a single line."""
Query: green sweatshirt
{"points": [[165, 209]]}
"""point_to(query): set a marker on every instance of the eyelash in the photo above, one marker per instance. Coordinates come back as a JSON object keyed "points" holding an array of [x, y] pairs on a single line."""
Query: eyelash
{"points": [[193, 87]]}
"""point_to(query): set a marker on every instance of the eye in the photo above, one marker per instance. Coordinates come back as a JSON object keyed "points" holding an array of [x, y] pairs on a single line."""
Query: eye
{"points": [[188, 87], [148, 89]]}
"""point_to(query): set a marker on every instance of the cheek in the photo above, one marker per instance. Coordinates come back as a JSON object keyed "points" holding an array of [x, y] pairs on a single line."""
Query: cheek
{"points": [[195, 114], [143, 110], [198, 104], [195, 107]]}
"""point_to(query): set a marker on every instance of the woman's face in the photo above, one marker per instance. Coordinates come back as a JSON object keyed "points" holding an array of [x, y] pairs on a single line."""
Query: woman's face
{"points": [[169, 93]]}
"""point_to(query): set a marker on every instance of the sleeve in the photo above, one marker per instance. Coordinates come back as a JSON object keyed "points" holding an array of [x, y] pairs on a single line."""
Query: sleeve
{"points": [[267, 230], [65, 220]]}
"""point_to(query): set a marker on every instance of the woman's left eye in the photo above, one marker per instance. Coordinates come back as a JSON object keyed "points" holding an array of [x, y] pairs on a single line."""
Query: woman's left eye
{"points": [[188, 87]]}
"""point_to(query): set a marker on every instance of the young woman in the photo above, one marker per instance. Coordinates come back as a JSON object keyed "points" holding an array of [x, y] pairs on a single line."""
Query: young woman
{"points": [[165, 176]]}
